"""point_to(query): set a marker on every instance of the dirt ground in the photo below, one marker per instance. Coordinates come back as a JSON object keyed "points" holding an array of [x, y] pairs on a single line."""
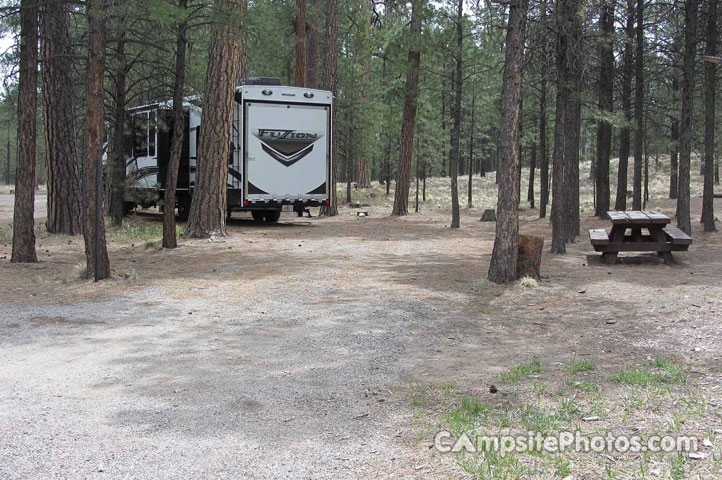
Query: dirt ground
{"points": [[293, 350]]}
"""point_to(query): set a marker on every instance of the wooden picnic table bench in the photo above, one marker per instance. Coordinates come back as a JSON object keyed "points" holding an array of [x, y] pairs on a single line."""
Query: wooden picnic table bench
{"points": [[647, 233]]}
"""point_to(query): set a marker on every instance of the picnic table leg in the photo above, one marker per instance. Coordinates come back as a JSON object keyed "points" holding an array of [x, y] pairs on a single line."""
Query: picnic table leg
{"points": [[658, 235], [616, 237]]}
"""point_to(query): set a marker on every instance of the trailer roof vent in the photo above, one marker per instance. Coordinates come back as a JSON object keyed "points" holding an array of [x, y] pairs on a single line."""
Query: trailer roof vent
{"points": [[271, 81], [266, 91], [308, 94]]}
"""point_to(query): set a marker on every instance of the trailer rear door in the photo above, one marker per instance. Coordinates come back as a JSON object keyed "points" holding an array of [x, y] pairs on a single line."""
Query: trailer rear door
{"points": [[287, 151]]}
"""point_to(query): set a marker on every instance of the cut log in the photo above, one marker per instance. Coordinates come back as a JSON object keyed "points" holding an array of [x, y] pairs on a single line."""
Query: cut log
{"points": [[489, 215], [530, 253]]}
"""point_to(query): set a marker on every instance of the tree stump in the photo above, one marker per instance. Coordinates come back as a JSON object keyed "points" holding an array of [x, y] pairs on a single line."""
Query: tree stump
{"points": [[489, 215], [530, 253]]}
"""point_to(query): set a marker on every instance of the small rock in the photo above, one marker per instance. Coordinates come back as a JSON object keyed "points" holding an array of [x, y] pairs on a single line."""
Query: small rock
{"points": [[493, 389]]}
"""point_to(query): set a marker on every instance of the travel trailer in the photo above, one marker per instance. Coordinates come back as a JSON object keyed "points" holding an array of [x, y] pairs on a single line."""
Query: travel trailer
{"points": [[280, 151]]}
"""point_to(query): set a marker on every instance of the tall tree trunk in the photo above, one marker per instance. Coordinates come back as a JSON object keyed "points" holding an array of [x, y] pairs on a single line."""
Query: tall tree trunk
{"points": [[532, 171], [408, 123], [674, 141], [363, 137], [469, 193], [543, 149], [117, 152], [502, 268], [24, 210], [673, 159], [566, 128], [243, 44], [709, 114], [313, 42], [456, 129], [638, 108], [685, 141], [96, 252], [606, 107], [176, 146], [330, 78], [63, 198], [208, 207], [624, 135], [300, 43]]}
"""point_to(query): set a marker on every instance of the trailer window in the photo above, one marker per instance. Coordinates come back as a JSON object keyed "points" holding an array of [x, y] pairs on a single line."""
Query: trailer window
{"points": [[144, 133]]}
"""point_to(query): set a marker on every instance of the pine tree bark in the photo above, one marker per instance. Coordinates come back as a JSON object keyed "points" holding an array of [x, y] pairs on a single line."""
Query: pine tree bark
{"points": [[455, 153], [176, 146], [61, 156], [638, 108], [300, 43], [23, 249], [408, 123], [685, 136], [674, 141], [624, 135], [116, 197], [565, 188], [208, 208], [504, 256], [330, 78], [606, 107], [96, 252], [709, 118]]}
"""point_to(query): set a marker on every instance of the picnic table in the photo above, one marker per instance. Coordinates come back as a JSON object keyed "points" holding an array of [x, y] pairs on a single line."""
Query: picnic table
{"points": [[647, 233]]}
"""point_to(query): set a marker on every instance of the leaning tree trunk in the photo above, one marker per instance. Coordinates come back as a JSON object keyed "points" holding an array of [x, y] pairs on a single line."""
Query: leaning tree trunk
{"points": [[176, 146], [330, 79], [709, 125], [96, 252], [63, 198], [624, 135], [606, 105], [24, 210], [208, 208], [566, 128], [455, 153], [638, 109], [300, 43], [685, 137], [406, 146], [502, 268]]}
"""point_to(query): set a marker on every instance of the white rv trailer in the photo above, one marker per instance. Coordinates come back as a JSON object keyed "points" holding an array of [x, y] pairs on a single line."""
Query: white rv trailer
{"points": [[280, 151]]}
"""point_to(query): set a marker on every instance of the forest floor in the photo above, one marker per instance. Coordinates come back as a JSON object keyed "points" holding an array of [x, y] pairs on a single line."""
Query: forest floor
{"points": [[338, 347]]}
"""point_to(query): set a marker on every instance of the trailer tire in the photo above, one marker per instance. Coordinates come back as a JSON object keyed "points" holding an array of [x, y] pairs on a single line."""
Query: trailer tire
{"points": [[258, 215], [184, 207], [127, 207], [272, 216]]}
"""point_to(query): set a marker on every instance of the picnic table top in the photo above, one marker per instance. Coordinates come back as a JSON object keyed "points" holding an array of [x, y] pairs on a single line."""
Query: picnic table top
{"points": [[638, 217]]}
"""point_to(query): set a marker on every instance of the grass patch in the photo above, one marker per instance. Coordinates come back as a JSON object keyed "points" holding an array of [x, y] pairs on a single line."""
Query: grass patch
{"points": [[667, 372], [528, 282], [151, 244], [465, 416], [578, 366], [522, 371], [586, 386]]}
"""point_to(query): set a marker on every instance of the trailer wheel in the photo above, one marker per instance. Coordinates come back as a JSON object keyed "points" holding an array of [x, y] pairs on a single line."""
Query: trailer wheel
{"points": [[184, 207], [127, 207], [258, 215], [272, 216]]}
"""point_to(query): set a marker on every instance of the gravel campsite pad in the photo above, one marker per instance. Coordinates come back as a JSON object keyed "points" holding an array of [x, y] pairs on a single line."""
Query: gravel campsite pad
{"points": [[336, 348]]}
